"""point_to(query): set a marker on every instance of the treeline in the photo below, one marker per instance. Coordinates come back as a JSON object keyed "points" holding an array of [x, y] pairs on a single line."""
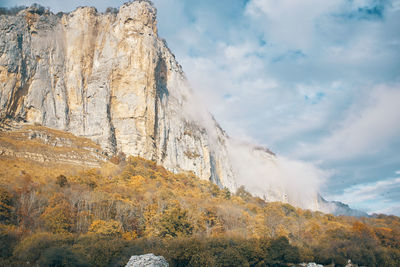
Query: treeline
{"points": [[40, 10], [64, 216], [12, 11]]}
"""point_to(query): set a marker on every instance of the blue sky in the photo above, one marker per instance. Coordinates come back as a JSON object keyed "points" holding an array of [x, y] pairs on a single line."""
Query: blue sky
{"points": [[317, 81]]}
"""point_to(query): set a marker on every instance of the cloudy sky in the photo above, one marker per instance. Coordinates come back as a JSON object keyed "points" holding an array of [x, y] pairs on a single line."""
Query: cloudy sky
{"points": [[312, 80]]}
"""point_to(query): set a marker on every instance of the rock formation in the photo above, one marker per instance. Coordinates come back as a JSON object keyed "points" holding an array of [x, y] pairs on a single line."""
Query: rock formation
{"points": [[147, 260], [48, 146], [110, 78]]}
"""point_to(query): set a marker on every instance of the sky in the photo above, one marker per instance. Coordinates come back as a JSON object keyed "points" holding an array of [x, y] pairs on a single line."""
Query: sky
{"points": [[316, 81]]}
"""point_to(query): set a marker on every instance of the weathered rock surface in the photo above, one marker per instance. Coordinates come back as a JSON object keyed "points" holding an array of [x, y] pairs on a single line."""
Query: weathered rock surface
{"points": [[46, 145], [313, 264], [110, 78], [147, 260]]}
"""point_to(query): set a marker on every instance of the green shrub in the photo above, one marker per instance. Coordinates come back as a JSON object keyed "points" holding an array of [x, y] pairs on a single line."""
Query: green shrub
{"points": [[62, 257], [31, 248]]}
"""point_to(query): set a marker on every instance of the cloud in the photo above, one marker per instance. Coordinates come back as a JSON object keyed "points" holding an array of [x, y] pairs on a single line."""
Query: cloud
{"points": [[275, 178], [370, 125], [287, 22], [376, 197]]}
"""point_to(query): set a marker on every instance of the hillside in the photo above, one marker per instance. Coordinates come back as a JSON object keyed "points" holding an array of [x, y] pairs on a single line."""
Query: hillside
{"points": [[57, 211]]}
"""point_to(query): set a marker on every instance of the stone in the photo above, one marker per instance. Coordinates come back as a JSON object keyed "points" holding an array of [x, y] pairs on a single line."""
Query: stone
{"points": [[313, 264], [147, 260]]}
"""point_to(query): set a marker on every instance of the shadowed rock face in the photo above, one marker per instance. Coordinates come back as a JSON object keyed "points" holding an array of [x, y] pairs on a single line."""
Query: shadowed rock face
{"points": [[110, 78]]}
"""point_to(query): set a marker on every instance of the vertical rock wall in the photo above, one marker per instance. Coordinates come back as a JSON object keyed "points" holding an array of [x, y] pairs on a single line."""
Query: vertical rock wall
{"points": [[108, 77]]}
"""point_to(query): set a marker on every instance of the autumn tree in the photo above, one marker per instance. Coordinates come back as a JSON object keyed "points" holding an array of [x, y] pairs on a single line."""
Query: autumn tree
{"points": [[106, 228], [175, 222], [5, 205], [59, 216]]}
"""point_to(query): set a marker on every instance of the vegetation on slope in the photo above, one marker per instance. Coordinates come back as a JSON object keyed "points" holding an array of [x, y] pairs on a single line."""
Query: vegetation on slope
{"points": [[63, 215]]}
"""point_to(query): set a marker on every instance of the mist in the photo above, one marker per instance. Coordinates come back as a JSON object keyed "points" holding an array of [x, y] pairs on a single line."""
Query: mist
{"points": [[261, 172], [276, 178]]}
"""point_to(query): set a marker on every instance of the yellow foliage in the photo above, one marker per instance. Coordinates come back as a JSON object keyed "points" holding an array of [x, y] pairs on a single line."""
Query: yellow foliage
{"points": [[131, 235], [136, 182], [107, 228], [58, 217], [138, 199]]}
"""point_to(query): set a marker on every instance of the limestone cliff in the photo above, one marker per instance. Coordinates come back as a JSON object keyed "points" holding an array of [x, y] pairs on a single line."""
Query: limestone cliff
{"points": [[110, 78]]}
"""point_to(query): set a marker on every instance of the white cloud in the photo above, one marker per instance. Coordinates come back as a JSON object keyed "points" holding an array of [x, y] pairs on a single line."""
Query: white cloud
{"points": [[290, 22], [369, 127], [373, 197], [364, 192]]}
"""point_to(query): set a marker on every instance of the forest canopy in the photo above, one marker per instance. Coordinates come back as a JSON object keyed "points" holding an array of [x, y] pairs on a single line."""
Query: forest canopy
{"points": [[68, 216]]}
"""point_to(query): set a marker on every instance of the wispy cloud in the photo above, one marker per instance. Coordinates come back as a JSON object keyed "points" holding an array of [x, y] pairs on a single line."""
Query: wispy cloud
{"points": [[370, 125], [373, 197]]}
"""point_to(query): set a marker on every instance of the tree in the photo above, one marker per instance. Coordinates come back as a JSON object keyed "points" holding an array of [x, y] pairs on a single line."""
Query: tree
{"points": [[58, 217], [62, 181], [281, 251], [5, 205], [106, 228], [201, 259], [230, 257], [174, 222], [241, 192]]}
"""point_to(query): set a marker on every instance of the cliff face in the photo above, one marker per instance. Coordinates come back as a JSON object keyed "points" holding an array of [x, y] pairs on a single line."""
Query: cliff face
{"points": [[110, 78]]}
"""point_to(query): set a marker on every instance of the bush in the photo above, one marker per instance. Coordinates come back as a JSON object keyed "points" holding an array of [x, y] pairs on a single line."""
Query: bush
{"points": [[280, 250], [203, 258], [32, 247], [175, 222], [62, 181], [9, 238], [100, 250], [111, 10], [5, 205], [230, 257], [11, 11], [62, 257]]}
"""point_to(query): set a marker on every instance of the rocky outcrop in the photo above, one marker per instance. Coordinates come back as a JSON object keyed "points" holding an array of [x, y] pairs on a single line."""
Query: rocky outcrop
{"points": [[48, 146], [338, 208], [110, 78], [148, 260], [311, 264]]}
